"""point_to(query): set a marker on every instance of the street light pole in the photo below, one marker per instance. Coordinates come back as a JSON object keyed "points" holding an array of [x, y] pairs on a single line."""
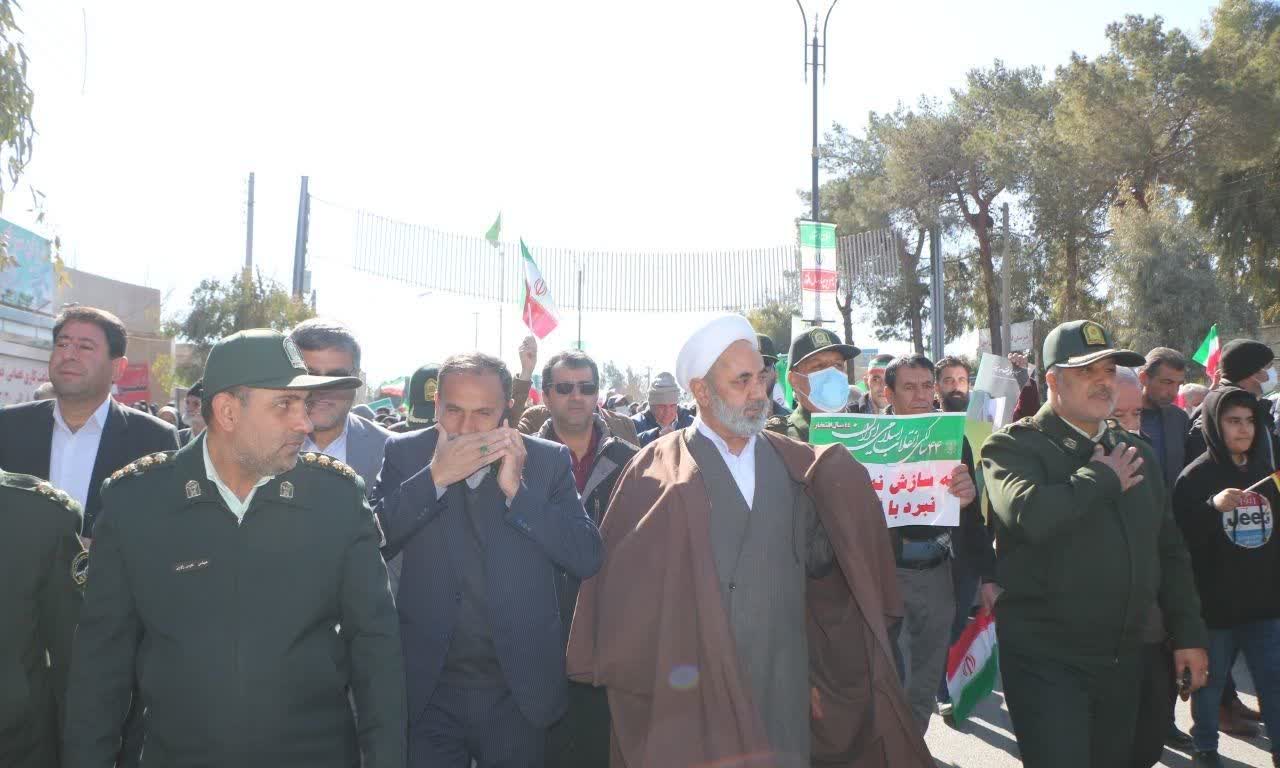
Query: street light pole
{"points": [[811, 60]]}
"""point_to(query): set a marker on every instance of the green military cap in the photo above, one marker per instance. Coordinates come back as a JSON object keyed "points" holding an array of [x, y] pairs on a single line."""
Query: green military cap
{"points": [[263, 359], [1083, 342], [819, 340], [767, 350], [422, 396]]}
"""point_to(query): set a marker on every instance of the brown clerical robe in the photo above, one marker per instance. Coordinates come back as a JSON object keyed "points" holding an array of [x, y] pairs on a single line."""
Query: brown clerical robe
{"points": [[651, 625]]}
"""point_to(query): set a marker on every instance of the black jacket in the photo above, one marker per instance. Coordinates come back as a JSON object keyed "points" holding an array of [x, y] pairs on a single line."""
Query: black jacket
{"points": [[26, 437], [1235, 555], [39, 603], [612, 455]]}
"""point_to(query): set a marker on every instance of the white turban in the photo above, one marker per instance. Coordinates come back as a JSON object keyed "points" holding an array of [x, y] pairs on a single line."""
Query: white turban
{"points": [[707, 343]]}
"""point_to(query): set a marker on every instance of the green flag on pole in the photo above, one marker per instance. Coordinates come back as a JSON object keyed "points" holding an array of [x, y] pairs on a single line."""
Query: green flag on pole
{"points": [[495, 232]]}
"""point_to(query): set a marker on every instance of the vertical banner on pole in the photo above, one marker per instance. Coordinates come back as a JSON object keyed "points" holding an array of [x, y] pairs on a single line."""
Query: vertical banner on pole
{"points": [[817, 271]]}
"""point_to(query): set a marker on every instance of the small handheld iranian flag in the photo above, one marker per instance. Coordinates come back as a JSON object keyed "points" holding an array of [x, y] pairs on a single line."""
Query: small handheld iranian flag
{"points": [[1210, 352], [539, 311], [972, 664]]}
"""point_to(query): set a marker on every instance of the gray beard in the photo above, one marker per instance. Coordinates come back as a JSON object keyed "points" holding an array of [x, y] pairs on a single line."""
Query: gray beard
{"points": [[736, 420]]}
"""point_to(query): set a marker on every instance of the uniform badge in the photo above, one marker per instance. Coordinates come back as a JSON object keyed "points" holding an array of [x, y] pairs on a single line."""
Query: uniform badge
{"points": [[1070, 443], [193, 489], [429, 390], [1093, 335], [286, 490], [291, 351], [80, 568]]}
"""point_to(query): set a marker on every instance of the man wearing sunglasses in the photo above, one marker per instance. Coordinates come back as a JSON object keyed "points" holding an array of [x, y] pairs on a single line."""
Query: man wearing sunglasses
{"points": [[570, 386], [330, 349]]}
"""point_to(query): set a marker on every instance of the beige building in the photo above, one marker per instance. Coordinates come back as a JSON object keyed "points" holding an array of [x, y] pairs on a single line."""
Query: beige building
{"points": [[31, 295]]}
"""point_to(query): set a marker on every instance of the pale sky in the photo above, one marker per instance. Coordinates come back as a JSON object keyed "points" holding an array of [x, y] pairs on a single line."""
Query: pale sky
{"points": [[589, 124]]}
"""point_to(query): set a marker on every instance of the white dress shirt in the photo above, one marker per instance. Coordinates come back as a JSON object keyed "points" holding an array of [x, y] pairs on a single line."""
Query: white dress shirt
{"points": [[237, 507], [335, 450], [741, 466], [73, 454]]}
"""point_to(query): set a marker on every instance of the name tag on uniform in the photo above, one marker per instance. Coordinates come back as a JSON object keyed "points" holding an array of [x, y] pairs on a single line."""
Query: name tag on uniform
{"points": [[190, 565]]}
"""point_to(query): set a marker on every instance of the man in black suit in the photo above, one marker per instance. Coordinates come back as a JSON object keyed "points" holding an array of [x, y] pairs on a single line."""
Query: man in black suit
{"points": [[487, 519], [81, 436]]}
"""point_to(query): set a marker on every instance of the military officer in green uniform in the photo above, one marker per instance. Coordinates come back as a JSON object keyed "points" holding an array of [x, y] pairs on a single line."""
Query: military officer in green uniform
{"points": [[241, 584], [818, 379], [1086, 543], [42, 568]]}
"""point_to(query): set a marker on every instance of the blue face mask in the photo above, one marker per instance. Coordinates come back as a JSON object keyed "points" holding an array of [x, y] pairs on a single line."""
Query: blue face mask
{"points": [[829, 390]]}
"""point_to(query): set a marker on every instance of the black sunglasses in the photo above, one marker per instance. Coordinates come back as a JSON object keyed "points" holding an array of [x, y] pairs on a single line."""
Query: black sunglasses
{"points": [[584, 387]]}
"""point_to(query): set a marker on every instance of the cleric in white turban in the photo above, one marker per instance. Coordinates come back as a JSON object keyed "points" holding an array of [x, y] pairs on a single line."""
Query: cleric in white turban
{"points": [[705, 345], [719, 540]]}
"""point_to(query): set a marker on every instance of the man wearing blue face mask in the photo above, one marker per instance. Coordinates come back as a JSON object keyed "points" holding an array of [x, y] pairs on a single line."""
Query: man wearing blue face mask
{"points": [[817, 378]]}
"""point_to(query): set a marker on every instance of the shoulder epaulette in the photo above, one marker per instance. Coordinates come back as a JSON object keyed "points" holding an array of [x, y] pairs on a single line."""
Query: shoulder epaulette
{"points": [[35, 485], [142, 465], [325, 461], [1026, 422], [777, 424]]}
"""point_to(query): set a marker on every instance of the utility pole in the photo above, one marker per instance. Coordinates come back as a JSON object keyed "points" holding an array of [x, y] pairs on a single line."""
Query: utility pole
{"points": [[248, 238], [300, 242], [1006, 312], [812, 60]]}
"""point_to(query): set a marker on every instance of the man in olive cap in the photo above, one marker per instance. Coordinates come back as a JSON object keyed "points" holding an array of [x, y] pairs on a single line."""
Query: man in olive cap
{"points": [[818, 379], [240, 583], [769, 353], [1086, 545], [422, 396], [43, 570]]}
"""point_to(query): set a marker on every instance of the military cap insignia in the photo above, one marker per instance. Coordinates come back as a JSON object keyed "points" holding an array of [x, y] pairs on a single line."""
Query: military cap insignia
{"points": [[1093, 335], [193, 489], [821, 337], [80, 568], [286, 490], [291, 351], [429, 390]]}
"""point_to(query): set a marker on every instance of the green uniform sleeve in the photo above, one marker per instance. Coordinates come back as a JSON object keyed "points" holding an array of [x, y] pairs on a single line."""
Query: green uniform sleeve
{"points": [[103, 655], [59, 610], [372, 629], [1178, 597], [1024, 498]]}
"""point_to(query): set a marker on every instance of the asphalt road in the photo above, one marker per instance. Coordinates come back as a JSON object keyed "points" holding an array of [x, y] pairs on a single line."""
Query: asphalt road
{"points": [[986, 740]]}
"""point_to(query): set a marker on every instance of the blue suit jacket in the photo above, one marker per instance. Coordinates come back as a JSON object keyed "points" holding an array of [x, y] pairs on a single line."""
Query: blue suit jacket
{"points": [[544, 530]]}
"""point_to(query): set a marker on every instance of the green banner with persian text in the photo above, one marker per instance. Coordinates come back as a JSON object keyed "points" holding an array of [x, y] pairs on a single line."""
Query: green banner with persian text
{"points": [[909, 458]]}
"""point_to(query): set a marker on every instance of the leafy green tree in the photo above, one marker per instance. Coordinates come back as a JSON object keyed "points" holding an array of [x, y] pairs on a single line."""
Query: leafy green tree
{"points": [[16, 100], [963, 155], [220, 308], [1161, 265], [774, 321], [1235, 184]]}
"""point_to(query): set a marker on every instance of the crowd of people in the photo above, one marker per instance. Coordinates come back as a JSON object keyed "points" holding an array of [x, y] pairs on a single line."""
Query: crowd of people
{"points": [[270, 574]]}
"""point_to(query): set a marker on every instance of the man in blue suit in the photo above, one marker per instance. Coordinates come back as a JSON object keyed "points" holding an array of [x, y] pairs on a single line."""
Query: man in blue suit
{"points": [[485, 518]]}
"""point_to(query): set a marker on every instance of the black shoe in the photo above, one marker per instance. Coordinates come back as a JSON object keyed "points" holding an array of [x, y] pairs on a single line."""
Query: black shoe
{"points": [[1176, 738], [1206, 760]]}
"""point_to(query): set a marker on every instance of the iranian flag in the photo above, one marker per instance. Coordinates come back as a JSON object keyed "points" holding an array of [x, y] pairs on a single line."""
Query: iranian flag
{"points": [[539, 312], [972, 664], [1210, 352]]}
